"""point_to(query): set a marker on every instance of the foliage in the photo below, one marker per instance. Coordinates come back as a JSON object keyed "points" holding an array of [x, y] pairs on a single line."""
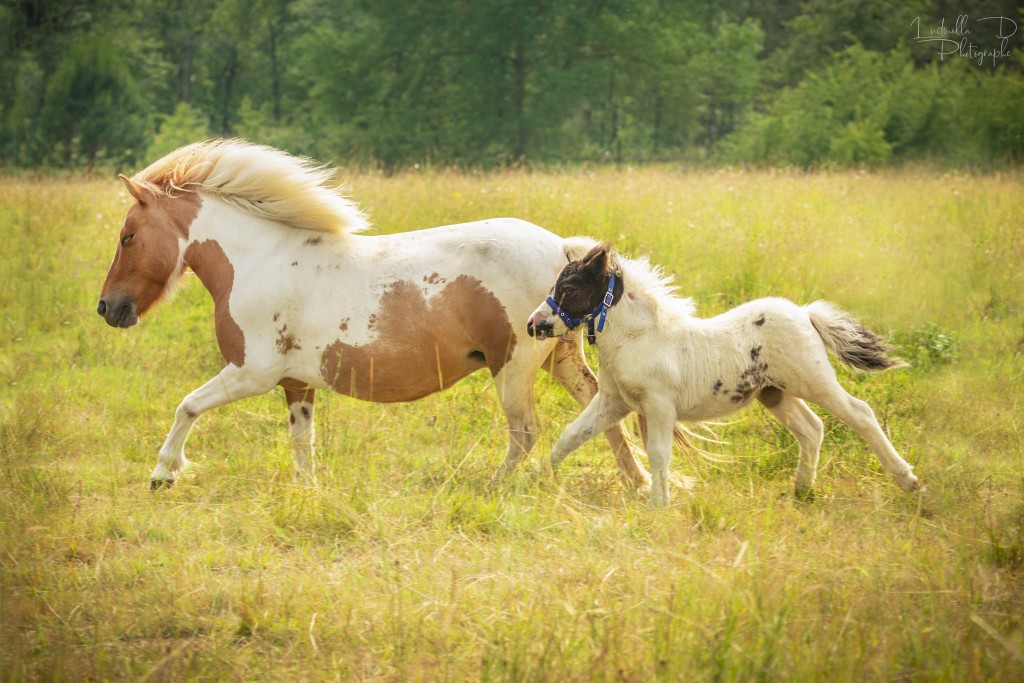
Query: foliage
{"points": [[491, 83], [91, 108], [184, 126]]}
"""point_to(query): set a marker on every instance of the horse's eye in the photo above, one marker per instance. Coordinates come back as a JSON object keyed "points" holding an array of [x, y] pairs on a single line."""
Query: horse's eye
{"points": [[568, 291], [127, 239]]}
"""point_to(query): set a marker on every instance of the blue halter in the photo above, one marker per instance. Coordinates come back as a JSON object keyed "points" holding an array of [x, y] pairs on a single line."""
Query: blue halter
{"points": [[600, 312]]}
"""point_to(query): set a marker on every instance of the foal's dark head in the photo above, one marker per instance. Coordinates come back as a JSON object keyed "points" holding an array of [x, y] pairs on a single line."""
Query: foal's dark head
{"points": [[580, 289]]}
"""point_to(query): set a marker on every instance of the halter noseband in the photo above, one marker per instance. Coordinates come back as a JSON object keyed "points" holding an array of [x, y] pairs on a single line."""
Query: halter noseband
{"points": [[600, 312]]}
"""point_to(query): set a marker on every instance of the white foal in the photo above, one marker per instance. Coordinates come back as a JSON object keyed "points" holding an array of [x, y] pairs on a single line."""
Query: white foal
{"points": [[662, 362]]}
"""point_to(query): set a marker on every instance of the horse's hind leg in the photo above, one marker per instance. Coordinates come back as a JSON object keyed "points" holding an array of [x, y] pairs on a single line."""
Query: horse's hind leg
{"points": [[805, 426], [231, 384], [301, 402], [860, 418], [568, 365]]}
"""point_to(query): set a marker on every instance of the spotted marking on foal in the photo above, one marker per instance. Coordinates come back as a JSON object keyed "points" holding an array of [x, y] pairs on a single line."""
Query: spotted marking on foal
{"points": [[760, 320], [752, 379], [422, 345], [313, 241], [211, 265]]}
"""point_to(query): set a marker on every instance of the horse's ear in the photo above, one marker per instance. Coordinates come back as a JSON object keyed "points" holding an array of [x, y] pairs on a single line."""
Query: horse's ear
{"points": [[134, 189], [599, 258]]}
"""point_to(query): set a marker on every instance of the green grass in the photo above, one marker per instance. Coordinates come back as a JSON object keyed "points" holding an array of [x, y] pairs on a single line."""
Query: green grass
{"points": [[401, 564]]}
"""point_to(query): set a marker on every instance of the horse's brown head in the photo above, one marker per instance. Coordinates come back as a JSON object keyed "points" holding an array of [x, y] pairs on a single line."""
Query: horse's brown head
{"points": [[148, 260]]}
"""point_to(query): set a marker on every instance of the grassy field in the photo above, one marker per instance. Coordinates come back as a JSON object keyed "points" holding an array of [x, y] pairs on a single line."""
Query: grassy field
{"points": [[401, 565]]}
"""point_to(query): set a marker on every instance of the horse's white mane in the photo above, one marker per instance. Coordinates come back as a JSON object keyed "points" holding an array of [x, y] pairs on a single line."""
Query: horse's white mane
{"points": [[650, 281], [260, 180]]}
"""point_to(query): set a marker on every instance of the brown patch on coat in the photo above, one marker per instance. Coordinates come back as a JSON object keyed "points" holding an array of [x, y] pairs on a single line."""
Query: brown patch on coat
{"points": [[296, 391], [422, 346], [434, 279], [211, 265], [286, 341], [141, 270]]}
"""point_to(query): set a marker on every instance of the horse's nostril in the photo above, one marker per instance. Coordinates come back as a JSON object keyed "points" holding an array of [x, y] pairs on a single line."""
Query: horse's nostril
{"points": [[102, 307]]}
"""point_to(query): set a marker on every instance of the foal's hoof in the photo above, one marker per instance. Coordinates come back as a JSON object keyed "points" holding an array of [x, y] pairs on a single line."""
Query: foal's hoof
{"points": [[158, 484], [909, 483]]}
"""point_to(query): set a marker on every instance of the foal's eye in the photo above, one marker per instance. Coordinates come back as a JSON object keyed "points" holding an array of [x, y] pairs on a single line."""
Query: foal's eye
{"points": [[127, 239], [568, 290]]}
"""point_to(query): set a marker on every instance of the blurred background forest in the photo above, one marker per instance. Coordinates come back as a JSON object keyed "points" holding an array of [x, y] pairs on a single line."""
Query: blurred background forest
{"points": [[486, 83]]}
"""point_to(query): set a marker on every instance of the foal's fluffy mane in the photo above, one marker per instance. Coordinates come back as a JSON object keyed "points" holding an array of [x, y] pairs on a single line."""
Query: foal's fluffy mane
{"points": [[260, 180], [645, 280]]}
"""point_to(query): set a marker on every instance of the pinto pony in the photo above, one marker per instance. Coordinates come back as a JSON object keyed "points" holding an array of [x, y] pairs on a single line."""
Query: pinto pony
{"points": [[661, 361], [303, 301]]}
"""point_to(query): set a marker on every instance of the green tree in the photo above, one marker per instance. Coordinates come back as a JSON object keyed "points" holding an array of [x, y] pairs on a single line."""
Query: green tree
{"points": [[92, 110]]}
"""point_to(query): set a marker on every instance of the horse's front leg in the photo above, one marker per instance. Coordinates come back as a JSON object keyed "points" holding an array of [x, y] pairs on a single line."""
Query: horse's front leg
{"points": [[231, 384], [300, 400], [603, 411]]}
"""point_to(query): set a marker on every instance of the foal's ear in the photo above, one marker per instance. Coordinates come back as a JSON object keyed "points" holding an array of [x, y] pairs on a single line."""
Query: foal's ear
{"points": [[134, 189], [599, 258]]}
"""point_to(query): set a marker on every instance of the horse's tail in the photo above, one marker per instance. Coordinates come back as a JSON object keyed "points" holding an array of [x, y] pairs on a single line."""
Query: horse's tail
{"points": [[848, 340], [577, 247]]}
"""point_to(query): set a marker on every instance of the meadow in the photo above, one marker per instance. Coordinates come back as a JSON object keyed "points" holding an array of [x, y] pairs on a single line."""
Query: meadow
{"points": [[401, 564]]}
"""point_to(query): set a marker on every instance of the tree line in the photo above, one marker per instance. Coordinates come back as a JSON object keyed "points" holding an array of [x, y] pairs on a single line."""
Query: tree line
{"points": [[485, 83]]}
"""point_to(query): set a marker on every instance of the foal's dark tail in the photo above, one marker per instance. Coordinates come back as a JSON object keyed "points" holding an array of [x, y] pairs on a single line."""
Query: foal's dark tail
{"points": [[848, 340]]}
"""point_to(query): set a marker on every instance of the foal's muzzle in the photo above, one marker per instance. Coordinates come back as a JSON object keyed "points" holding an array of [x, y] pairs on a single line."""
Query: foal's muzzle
{"points": [[542, 330], [118, 312]]}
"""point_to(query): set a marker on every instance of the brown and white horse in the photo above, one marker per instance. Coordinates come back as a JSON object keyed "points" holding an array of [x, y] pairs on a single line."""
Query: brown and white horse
{"points": [[303, 301]]}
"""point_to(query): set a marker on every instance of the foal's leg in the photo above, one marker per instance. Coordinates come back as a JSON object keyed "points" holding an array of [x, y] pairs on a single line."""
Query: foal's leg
{"points": [[661, 424], [600, 414], [301, 401], [568, 365], [859, 417], [805, 426], [231, 384]]}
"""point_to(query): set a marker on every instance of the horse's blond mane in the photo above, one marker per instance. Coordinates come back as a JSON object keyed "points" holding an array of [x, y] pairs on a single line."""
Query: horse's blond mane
{"points": [[260, 180], [645, 279]]}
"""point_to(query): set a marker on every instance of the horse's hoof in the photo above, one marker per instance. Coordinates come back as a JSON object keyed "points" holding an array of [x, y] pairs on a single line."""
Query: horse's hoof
{"points": [[804, 494], [157, 484]]}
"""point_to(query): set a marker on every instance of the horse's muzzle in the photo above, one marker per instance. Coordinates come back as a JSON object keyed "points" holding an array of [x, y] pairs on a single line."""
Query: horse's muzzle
{"points": [[119, 313]]}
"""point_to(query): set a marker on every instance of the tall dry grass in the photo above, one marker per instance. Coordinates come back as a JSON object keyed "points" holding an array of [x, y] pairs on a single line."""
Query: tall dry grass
{"points": [[401, 564]]}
